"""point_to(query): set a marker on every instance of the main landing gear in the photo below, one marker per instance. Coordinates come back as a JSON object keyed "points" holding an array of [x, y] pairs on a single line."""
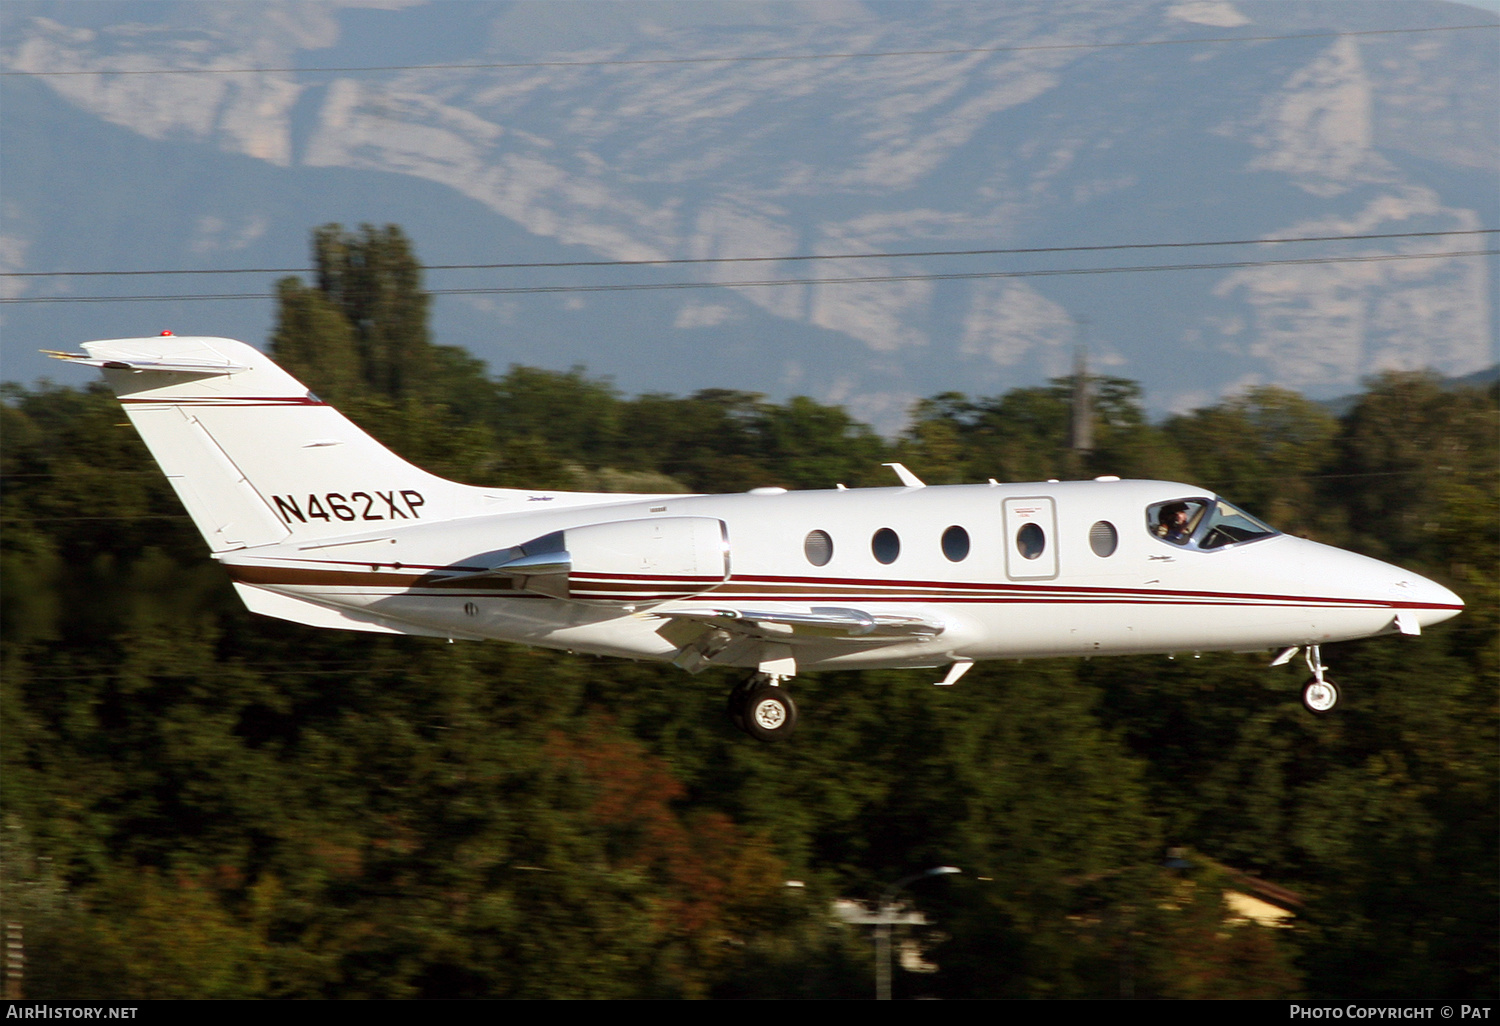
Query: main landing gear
{"points": [[762, 708]]}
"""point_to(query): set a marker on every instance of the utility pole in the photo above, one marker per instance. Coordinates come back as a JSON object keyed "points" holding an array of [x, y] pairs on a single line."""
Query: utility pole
{"points": [[1081, 439], [1081, 428]]}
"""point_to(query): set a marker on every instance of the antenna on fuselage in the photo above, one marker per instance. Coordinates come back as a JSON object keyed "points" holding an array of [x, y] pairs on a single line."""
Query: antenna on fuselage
{"points": [[908, 479]]}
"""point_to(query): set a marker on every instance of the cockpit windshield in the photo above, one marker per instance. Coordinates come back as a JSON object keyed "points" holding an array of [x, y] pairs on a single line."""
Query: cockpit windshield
{"points": [[1204, 523]]}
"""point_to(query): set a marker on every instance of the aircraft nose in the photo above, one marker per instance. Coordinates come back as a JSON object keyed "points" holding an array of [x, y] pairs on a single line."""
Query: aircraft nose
{"points": [[1430, 601], [1414, 601]]}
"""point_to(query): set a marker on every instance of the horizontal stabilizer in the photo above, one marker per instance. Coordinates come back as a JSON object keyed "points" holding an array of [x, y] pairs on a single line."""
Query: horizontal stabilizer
{"points": [[121, 358], [313, 614]]}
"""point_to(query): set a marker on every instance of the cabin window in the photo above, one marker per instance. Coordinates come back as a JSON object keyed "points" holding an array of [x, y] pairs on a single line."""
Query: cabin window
{"points": [[818, 548], [886, 545], [1103, 538], [956, 544], [1031, 540]]}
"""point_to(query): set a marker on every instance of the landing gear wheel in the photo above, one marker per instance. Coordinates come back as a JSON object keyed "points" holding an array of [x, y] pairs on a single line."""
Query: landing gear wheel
{"points": [[1320, 695], [769, 714]]}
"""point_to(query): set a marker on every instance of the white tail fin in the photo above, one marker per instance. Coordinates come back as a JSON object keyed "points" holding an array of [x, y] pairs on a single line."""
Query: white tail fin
{"points": [[255, 457]]}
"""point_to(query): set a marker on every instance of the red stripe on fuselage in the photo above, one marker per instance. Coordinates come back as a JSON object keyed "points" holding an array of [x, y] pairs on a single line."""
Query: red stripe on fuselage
{"points": [[636, 587]]}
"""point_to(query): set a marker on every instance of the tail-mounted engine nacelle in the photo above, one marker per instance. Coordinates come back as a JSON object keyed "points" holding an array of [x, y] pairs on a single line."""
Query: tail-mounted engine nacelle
{"points": [[625, 562]]}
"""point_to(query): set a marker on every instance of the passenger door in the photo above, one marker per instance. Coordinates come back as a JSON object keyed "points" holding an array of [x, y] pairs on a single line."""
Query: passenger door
{"points": [[1030, 538]]}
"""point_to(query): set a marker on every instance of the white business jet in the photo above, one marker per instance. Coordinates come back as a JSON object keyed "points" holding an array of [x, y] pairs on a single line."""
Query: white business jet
{"points": [[318, 523]]}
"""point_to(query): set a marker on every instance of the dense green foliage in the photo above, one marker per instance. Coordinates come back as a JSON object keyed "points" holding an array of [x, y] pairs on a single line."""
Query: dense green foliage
{"points": [[198, 802]]}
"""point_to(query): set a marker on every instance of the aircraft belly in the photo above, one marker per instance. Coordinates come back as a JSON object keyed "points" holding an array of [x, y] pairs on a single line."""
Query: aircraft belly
{"points": [[1039, 630], [1215, 628], [1022, 631]]}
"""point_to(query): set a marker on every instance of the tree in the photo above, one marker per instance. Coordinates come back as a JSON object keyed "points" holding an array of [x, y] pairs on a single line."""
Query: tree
{"points": [[1023, 436], [314, 342], [375, 281], [1266, 450]]}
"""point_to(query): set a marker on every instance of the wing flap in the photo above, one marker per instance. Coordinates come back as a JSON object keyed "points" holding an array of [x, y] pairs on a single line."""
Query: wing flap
{"points": [[817, 622], [764, 637]]}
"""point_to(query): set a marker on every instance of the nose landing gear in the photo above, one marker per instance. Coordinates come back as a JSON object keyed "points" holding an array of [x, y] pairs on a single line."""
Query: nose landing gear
{"points": [[762, 708], [1318, 694]]}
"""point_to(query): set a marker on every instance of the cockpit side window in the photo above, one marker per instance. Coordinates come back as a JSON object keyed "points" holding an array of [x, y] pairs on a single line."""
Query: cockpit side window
{"points": [[1204, 523], [1175, 521]]}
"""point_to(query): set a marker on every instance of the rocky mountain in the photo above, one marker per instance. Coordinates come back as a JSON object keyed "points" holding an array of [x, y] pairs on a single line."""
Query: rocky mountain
{"points": [[581, 132]]}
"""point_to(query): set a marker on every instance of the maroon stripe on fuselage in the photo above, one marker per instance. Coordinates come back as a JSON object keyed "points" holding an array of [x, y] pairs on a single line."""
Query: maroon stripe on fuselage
{"points": [[626, 588]]}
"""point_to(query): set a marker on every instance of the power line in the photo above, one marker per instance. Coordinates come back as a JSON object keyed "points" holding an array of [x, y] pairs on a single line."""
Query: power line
{"points": [[157, 473], [748, 57], [769, 283], [114, 516], [231, 669], [788, 258], [88, 474], [956, 276]]}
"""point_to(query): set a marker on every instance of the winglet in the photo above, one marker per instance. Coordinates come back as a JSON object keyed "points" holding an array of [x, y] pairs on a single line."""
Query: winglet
{"points": [[908, 479]]}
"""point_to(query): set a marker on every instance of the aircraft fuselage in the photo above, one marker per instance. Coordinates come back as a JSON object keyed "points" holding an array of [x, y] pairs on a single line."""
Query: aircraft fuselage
{"points": [[319, 523], [1147, 595]]}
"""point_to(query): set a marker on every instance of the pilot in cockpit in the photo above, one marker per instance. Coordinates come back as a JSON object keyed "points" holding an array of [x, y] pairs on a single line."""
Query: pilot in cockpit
{"points": [[1174, 523]]}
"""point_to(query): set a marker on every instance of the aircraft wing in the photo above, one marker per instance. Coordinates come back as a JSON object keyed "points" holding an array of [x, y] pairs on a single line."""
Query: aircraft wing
{"points": [[729, 634], [819, 622]]}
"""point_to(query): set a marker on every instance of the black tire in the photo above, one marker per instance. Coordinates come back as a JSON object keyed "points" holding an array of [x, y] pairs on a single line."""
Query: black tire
{"points": [[769, 713], [1320, 698], [736, 706]]}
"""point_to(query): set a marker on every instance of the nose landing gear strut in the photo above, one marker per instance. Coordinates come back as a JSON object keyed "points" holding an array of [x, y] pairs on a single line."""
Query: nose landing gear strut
{"points": [[1318, 694]]}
